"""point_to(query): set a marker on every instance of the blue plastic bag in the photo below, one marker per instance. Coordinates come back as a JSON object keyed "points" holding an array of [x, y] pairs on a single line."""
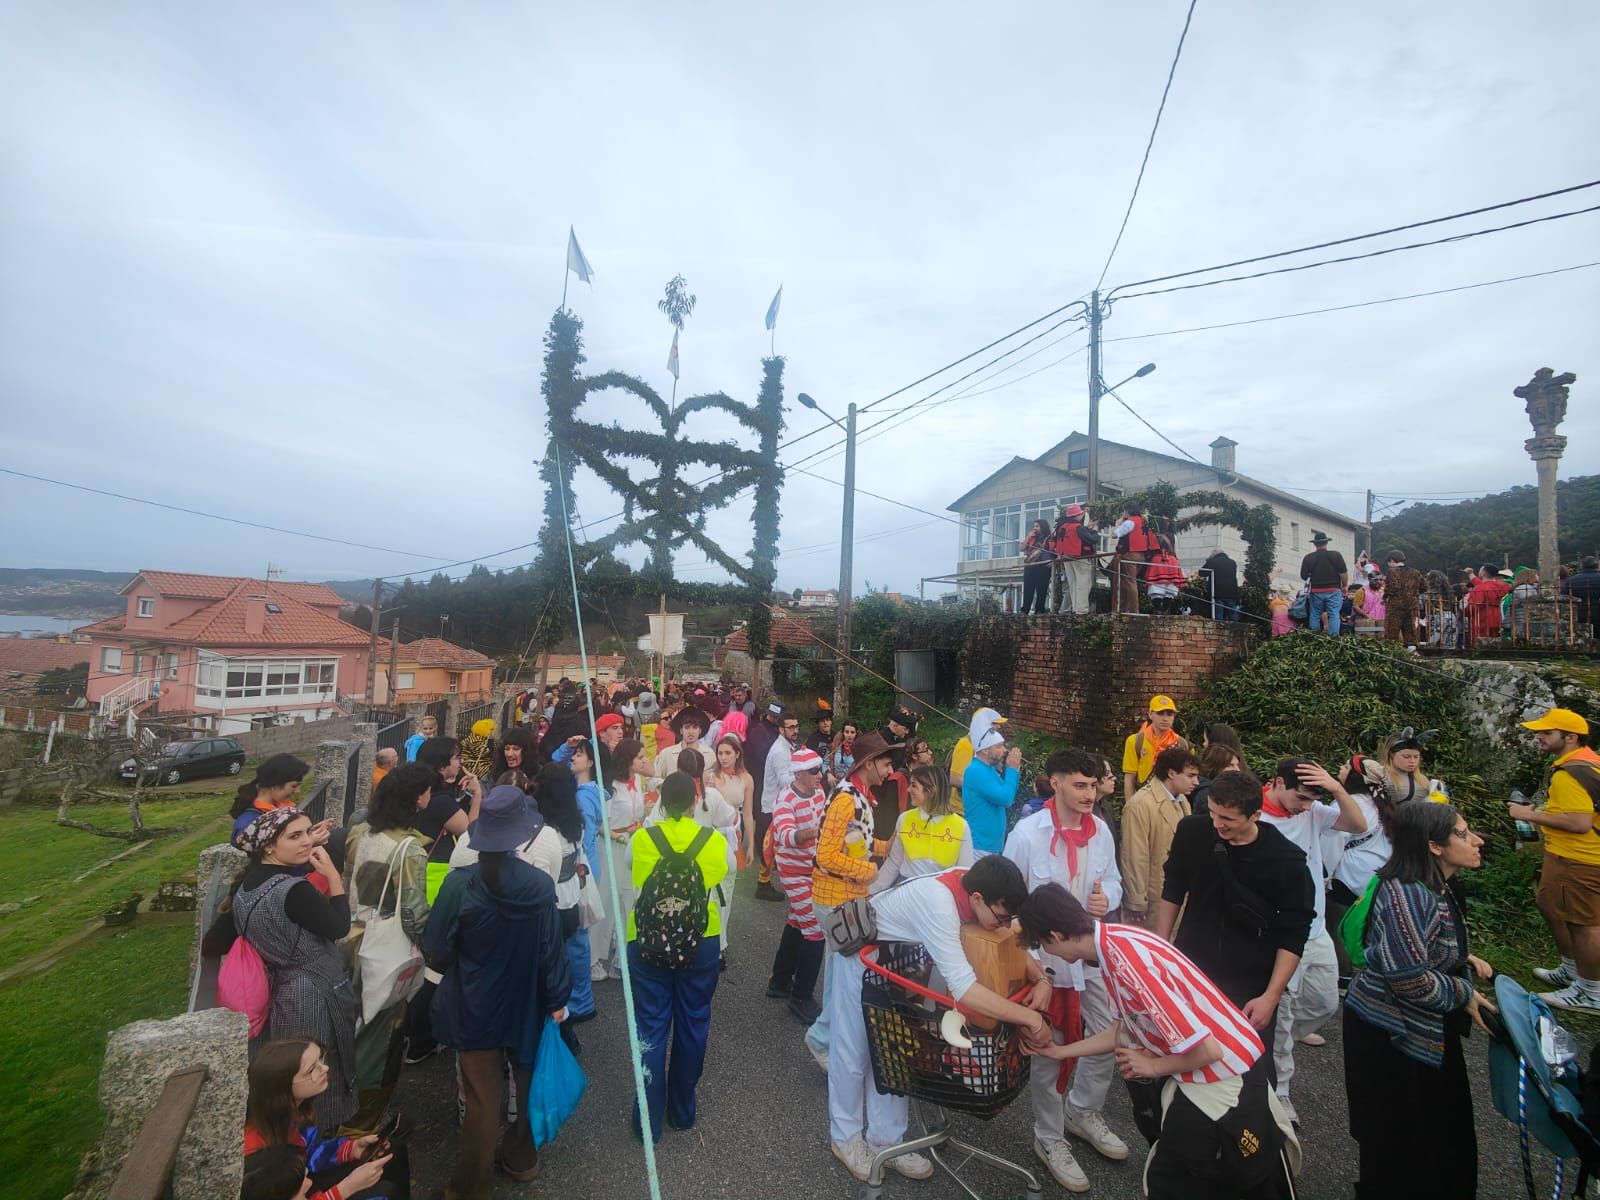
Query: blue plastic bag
{"points": [[558, 1084]]}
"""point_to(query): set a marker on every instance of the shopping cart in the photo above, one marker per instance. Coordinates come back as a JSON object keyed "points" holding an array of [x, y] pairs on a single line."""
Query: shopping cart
{"points": [[911, 1058]]}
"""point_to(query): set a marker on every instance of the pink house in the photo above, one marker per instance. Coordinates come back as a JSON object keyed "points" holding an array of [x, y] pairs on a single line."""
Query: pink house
{"points": [[225, 653]]}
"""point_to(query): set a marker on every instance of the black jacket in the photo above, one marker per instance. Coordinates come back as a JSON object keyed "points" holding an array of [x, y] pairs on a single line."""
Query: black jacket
{"points": [[1224, 576], [1273, 868]]}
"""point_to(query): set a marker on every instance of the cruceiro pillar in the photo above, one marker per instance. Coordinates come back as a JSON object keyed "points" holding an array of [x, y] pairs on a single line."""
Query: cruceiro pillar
{"points": [[1546, 398]]}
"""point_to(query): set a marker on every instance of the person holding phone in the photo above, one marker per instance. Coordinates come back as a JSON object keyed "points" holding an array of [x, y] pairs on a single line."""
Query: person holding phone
{"points": [[286, 1078], [296, 929]]}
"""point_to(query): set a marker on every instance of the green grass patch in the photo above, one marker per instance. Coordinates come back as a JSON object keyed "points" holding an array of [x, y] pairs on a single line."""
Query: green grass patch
{"points": [[52, 1039]]}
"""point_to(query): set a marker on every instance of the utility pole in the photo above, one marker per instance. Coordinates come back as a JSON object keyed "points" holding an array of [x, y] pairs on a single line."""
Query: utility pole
{"points": [[1096, 384], [372, 645], [1368, 548], [394, 659], [847, 537], [661, 649]]}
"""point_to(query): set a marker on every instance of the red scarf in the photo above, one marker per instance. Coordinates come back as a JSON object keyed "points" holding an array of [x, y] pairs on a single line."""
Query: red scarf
{"points": [[956, 882], [1268, 807], [1071, 838]]}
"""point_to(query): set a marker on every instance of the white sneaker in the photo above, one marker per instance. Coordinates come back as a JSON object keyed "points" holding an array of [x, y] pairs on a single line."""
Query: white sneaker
{"points": [[1058, 1157], [1092, 1128], [1313, 1039], [855, 1156], [912, 1166], [1557, 976], [1575, 998], [598, 973]]}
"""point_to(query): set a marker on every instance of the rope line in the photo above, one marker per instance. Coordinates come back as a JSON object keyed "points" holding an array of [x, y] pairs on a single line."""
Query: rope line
{"points": [[620, 918]]}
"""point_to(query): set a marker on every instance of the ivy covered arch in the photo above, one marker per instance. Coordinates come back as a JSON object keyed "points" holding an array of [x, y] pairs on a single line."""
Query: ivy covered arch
{"points": [[1256, 523]]}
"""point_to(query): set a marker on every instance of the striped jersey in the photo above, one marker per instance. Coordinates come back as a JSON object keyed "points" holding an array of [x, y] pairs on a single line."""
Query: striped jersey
{"points": [[794, 862], [1169, 1005]]}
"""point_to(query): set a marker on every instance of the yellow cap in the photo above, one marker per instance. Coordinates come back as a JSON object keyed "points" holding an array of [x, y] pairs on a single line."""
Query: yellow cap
{"points": [[1162, 704], [1563, 719]]}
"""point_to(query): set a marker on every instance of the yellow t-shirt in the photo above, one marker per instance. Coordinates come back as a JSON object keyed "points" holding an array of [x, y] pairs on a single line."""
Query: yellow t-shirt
{"points": [[713, 860], [960, 760], [1142, 760], [1567, 795]]}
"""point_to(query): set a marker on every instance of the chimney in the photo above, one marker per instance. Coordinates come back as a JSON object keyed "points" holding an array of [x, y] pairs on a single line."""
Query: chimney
{"points": [[1222, 455], [255, 615]]}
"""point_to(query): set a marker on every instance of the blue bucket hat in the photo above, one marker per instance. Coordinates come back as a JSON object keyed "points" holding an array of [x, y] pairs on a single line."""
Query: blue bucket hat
{"points": [[506, 820]]}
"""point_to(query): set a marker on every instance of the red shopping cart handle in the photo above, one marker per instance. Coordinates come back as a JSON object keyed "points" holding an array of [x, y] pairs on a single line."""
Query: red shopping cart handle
{"points": [[938, 998]]}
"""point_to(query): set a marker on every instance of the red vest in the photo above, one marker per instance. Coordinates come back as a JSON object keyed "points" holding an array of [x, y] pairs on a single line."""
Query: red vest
{"points": [[1069, 541], [1139, 541]]}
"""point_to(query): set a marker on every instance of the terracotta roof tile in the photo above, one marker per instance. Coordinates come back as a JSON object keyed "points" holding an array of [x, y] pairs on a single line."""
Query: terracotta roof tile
{"points": [[219, 587], [114, 624], [296, 623], [786, 631], [35, 656], [436, 652]]}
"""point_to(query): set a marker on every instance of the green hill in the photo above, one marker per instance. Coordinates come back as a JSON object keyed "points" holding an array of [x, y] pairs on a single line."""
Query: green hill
{"points": [[1502, 528]]}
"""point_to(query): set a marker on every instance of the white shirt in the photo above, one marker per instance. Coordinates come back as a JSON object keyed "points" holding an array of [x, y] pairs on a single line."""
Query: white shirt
{"points": [[923, 911], [1365, 852], [778, 772], [712, 812], [1305, 830], [667, 760], [1029, 847]]}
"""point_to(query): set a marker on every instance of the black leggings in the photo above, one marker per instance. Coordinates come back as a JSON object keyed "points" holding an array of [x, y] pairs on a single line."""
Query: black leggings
{"points": [[797, 963], [1036, 587]]}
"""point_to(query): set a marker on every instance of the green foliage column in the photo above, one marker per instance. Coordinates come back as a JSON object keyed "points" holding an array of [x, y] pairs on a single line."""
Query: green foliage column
{"points": [[764, 551], [563, 393]]}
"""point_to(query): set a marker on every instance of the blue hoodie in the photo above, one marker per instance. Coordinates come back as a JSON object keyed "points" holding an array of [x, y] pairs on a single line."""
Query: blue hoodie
{"points": [[503, 958], [986, 793]]}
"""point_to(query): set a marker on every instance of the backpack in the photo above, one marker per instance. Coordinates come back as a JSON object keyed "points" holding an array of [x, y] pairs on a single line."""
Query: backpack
{"points": [[1353, 926], [242, 983], [670, 914]]}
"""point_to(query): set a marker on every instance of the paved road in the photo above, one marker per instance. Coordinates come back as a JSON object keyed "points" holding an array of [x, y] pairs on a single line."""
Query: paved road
{"points": [[762, 1128]]}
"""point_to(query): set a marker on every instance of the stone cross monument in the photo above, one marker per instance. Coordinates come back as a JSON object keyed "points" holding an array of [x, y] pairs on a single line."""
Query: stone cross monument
{"points": [[1546, 397]]}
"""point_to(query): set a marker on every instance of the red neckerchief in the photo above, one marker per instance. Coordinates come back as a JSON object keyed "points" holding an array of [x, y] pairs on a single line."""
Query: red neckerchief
{"points": [[955, 881], [1071, 838], [863, 791], [1268, 807]]}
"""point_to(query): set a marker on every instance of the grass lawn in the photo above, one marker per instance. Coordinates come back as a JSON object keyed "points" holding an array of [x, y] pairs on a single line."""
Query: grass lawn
{"points": [[53, 1036]]}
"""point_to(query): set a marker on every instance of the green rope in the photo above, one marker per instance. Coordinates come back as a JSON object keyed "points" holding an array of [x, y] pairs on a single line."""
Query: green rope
{"points": [[611, 876]]}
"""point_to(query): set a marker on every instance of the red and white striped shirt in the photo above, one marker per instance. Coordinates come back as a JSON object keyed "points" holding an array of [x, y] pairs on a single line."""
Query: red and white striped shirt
{"points": [[1169, 1005], [793, 861]]}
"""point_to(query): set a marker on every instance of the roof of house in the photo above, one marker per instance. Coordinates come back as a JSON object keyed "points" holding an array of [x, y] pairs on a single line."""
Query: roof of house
{"points": [[222, 622], [436, 652], [614, 661], [219, 587], [35, 656], [786, 631], [956, 505], [104, 625], [1224, 478]]}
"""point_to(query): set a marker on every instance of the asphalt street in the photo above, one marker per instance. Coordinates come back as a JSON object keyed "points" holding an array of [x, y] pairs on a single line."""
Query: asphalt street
{"points": [[762, 1128]]}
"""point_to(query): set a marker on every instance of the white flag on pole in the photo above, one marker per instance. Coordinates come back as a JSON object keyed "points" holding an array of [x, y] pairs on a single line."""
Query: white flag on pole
{"points": [[576, 262], [672, 358], [772, 309]]}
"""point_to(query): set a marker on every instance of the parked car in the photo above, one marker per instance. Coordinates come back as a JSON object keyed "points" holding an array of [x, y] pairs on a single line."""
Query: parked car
{"points": [[187, 760]]}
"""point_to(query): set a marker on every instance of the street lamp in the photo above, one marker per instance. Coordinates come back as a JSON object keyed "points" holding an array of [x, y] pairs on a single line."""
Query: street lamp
{"points": [[1098, 388], [841, 670]]}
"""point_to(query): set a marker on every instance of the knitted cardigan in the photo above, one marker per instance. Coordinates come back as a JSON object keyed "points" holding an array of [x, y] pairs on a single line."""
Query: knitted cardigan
{"points": [[1416, 975]]}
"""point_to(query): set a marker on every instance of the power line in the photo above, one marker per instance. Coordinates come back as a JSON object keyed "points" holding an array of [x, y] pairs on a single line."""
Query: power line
{"points": [[1156, 431], [1459, 237], [1314, 312], [1145, 161], [1359, 237]]}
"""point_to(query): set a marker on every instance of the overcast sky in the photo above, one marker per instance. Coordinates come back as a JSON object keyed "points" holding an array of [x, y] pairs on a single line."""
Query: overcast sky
{"points": [[293, 262]]}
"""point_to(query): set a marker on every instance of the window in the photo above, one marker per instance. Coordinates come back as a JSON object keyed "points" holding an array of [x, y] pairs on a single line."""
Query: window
{"points": [[1077, 460], [975, 535], [268, 678], [147, 606], [404, 681], [111, 660], [1294, 535], [273, 608], [172, 666], [455, 681], [1007, 527]]}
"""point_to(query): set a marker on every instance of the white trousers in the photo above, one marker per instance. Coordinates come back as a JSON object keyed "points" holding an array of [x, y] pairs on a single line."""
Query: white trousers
{"points": [[604, 933], [1312, 997], [1091, 1079], [1077, 582], [819, 1035], [728, 886], [855, 1106]]}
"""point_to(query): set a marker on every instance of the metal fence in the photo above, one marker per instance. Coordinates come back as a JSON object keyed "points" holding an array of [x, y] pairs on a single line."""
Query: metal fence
{"points": [[315, 805], [393, 737], [477, 712], [439, 710]]}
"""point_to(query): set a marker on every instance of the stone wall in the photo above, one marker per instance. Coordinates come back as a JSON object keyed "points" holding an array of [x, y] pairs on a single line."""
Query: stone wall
{"points": [[302, 739], [1089, 679]]}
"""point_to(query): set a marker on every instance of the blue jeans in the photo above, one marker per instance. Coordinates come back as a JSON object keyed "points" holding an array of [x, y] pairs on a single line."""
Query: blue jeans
{"points": [[1324, 602], [1224, 610], [581, 1002], [673, 1005]]}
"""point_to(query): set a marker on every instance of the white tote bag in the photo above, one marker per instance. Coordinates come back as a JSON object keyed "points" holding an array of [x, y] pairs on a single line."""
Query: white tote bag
{"points": [[390, 966]]}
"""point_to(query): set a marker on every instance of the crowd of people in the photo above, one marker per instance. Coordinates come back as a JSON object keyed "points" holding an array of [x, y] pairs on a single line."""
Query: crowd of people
{"points": [[1190, 938], [1474, 607]]}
